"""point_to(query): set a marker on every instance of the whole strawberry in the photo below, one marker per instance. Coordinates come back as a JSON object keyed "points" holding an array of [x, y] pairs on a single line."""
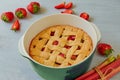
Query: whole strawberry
{"points": [[20, 13], [33, 7], [7, 16], [104, 49]]}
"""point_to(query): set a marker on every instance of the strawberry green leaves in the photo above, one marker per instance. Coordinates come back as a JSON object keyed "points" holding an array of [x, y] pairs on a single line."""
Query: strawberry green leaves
{"points": [[33, 7], [7, 16], [21, 13]]}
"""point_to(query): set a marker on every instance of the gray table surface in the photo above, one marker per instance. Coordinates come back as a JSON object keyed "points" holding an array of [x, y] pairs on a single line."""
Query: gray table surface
{"points": [[104, 13]]}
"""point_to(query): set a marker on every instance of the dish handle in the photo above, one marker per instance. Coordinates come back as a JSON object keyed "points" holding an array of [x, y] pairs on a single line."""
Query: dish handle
{"points": [[20, 47], [97, 32]]}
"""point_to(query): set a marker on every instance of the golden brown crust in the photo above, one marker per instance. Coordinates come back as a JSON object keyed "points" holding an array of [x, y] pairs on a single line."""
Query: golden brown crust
{"points": [[60, 46]]}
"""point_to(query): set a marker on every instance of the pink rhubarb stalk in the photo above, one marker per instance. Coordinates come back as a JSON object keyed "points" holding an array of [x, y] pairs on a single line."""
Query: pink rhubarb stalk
{"points": [[89, 73], [113, 65]]}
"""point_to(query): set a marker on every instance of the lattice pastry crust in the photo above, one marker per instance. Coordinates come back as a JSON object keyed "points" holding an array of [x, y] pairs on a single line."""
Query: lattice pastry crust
{"points": [[60, 46]]}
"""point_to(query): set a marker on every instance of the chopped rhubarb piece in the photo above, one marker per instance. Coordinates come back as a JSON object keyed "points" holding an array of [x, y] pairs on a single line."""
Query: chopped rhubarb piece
{"points": [[73, 57], [43, 49], [78, 48], [55, 42], [67, 47], [71, 37], [62, 55], [52, 33]]}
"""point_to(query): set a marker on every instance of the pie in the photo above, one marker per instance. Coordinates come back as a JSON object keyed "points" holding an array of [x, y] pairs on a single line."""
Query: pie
{"points": [[60, 46]]}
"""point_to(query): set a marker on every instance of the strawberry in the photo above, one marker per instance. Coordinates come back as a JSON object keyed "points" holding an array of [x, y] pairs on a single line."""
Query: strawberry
{"points": [[60, 6], [68, 5], [7, 16], [68, 11], [84, 15], [33, 7], [16, 26], [21, 13], [104, 49]]}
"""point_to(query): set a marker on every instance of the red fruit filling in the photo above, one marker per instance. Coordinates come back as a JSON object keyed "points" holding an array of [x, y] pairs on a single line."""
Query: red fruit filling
{"points": [[71, 37], [52, 33], [73, 57], [78, 48], [67, 47], [43, 49], [62, 55], [55, 42], [82, 41]]}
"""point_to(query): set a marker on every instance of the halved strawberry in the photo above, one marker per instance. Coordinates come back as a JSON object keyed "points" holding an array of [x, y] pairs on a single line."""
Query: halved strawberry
{"points": [[33, 7], [68, 11], [68, 5], [60, 6], [16, 26], [84, 15], [7, 16], [21, 12]]}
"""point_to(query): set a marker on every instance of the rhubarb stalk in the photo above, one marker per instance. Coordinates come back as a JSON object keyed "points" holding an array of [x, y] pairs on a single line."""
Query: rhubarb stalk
{"points": [[113, 65], [89, 73], [115, 71]]}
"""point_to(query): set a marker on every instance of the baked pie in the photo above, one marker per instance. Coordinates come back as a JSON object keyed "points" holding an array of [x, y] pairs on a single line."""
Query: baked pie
{"points": [[60, 46]]}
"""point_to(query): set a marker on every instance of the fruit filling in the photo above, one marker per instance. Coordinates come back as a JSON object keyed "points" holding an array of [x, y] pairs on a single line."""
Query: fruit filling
{"points": [[52, 33], [62, 55], [55, 42], [43, 49], [71, 37], [67, 46], [78, 48], [73, 57]]}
